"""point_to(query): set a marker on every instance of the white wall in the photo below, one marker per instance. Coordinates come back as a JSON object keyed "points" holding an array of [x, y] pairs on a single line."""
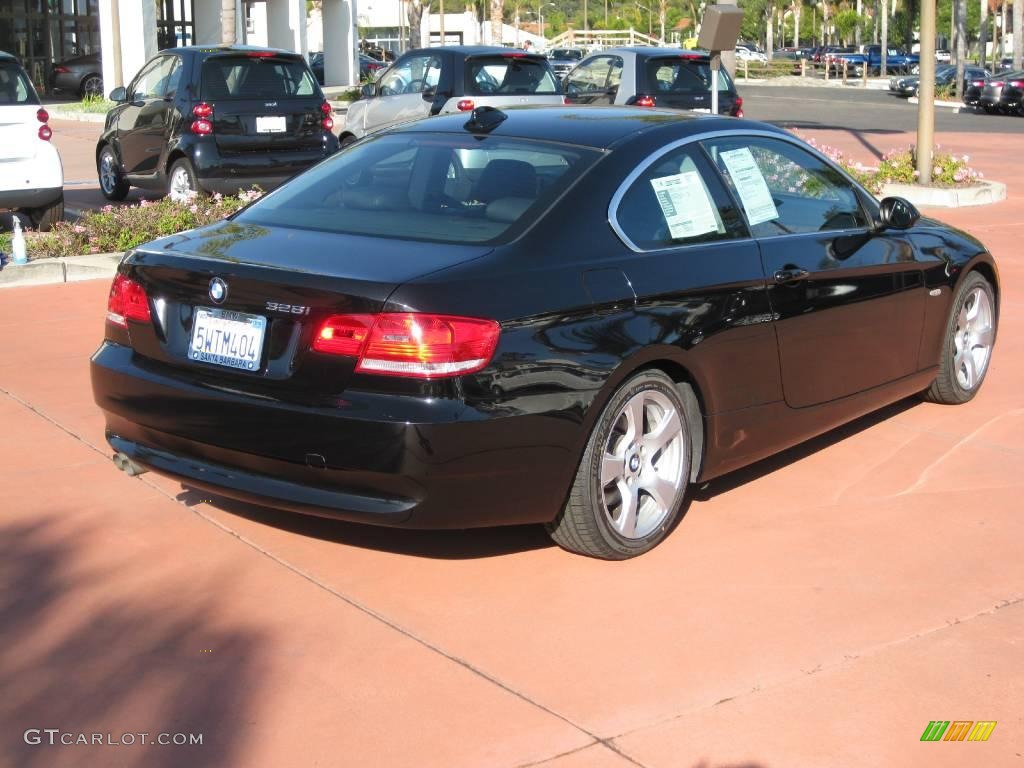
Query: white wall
{"points": [[134, 36]]}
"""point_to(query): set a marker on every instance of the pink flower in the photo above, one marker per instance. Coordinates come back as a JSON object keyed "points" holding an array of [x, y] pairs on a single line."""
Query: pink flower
{"points": [[194, 208]]}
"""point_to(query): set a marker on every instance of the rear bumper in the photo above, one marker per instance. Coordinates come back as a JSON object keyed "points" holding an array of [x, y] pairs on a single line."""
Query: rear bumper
{"points": [[366, 457], [228, 173], [29, 198]]}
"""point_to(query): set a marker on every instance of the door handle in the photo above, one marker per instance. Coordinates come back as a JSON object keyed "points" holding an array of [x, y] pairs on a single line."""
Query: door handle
{"points": [[791, 275]]}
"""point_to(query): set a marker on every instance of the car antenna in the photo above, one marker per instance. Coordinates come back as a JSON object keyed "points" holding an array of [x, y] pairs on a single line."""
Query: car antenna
{"points": [[485, 120]]}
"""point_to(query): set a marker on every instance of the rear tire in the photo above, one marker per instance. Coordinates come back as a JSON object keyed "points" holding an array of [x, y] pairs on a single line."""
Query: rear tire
{"points": [[92, 86], [181, 180], [44, 218], [112, 184], [967, 344], [347, 139], [629, 488]]}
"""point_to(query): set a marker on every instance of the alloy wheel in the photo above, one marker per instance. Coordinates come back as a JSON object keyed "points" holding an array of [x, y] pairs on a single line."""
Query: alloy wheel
{"points": [[972, 340], [181, 184], [642, 465], [92, 86], [108, 172]]}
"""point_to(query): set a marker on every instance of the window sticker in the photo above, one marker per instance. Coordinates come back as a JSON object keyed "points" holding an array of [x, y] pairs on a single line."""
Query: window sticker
{"points": [[750, 185], [685, 204]]}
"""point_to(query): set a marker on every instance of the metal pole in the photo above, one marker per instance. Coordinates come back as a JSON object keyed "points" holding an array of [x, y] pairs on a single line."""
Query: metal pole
{"points": [[716, 62], [926, 94], [442, 22]]}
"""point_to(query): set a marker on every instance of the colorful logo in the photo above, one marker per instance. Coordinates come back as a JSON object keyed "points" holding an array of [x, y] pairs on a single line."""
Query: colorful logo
{"points": [[958, 730]]}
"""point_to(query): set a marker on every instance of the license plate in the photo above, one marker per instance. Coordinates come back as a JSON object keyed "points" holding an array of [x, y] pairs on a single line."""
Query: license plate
{"points": [[705, 110], [271, 124], [232, 339]]}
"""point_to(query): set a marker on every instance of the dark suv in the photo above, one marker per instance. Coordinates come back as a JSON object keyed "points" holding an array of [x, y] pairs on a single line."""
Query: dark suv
{"points": [[214, 119]]}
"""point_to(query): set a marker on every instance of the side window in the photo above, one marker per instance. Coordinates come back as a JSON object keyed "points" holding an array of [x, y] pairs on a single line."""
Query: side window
{"points": [[170, 77], [615, 72], [409, 75], [783, 189], [678, 201], [147, 81], [589, 76]]}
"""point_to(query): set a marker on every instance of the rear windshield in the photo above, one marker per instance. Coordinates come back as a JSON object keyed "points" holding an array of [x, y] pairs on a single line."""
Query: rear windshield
{"points": [[508, 74], [675, 75], [246, 77], [440, 187], [14, 86], [567, 53]]}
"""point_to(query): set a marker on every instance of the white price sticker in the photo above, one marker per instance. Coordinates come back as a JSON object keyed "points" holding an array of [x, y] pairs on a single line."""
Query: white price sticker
{"points": [[750, 185], [684, 202]]}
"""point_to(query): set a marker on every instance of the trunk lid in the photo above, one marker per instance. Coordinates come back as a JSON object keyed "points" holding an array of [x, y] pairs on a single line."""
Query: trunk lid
{"points": [[289, 281], [19, 131], [262, 102]]}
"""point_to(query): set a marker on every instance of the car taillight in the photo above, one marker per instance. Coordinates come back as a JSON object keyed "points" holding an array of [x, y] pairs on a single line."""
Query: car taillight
{"points": [[202, 110], [261, 54], [127, 301], [737, 107], [410, 344], [977, 83], [465, 105], [60, 69], [1016, 83], [45, 132], [327, 122], [202, 127], [643, 101]]}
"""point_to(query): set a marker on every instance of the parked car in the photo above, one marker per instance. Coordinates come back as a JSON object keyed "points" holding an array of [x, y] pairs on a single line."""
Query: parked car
{"points": [[724, 292], [434, 81], [944, 76], [368, 66], [832, 56], [564, 59], [943, 56], [871, 57], [750, 54], [649, 77], [214, 119], [1004, 65], [33, 178], [1003, 94], [80, 75]]}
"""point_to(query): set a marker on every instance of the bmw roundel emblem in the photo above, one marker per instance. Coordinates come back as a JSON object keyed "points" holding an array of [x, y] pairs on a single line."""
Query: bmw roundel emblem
{"points": [[218, 290]]}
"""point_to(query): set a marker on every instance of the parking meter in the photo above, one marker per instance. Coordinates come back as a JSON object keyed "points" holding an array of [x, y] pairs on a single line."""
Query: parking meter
{"points": [[719, 31]]}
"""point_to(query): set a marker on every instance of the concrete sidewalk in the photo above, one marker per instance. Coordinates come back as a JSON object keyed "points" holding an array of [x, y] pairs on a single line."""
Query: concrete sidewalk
{"points": [[817, 609]]}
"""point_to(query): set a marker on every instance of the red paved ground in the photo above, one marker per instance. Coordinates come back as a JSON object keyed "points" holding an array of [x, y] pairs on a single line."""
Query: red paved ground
{"points": [[817, 609]]}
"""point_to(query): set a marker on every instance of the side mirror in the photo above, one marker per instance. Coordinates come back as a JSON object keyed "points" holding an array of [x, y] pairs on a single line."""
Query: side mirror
{"points": [[428, 95], [368, 91], [896, 213], [119, 95]]}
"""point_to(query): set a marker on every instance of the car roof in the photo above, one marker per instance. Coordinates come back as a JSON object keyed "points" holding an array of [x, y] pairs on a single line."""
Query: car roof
{"points": [[597, 127], [473, 50], [210, 49], [5, 56], [649, 51]]}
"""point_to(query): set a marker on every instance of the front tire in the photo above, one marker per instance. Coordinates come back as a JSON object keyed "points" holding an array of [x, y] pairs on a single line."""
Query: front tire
{"points": [[629, 488], [91, 87], [44, 218], [967, 345], [112, 184]]}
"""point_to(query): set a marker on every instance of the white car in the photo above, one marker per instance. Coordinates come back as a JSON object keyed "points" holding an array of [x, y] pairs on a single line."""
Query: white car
{"points": [[743, 53], [31, 174]]}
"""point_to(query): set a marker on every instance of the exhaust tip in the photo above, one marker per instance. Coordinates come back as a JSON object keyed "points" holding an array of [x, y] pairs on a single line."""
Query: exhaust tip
{"points": [[126, 465]]}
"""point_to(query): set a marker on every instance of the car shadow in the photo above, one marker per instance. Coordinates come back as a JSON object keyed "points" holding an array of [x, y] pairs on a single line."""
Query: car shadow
{"points": [[728, 482], [451, 544]]}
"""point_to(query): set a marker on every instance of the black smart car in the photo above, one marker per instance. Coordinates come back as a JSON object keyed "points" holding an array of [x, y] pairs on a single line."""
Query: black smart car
{"points": [[651, 77], [214, 119], [544, 315]]}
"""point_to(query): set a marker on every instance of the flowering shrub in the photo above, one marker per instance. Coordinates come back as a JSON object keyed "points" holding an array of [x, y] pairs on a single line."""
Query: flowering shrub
{"points": [[119, 228], [865, 176], [900, 167]]}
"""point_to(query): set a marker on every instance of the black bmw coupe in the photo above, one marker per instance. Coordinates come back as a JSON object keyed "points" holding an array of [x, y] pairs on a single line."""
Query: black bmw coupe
{"points": [[556, 315]]}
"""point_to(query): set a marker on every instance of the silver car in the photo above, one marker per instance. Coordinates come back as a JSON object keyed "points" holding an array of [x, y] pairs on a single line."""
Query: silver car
{"points": [[81, 75], [434, 81]]}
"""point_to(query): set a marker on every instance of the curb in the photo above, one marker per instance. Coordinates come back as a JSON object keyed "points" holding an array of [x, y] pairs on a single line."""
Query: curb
{"points": [[63, 269], [81, 117], [982, 193], [956, 106]]}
